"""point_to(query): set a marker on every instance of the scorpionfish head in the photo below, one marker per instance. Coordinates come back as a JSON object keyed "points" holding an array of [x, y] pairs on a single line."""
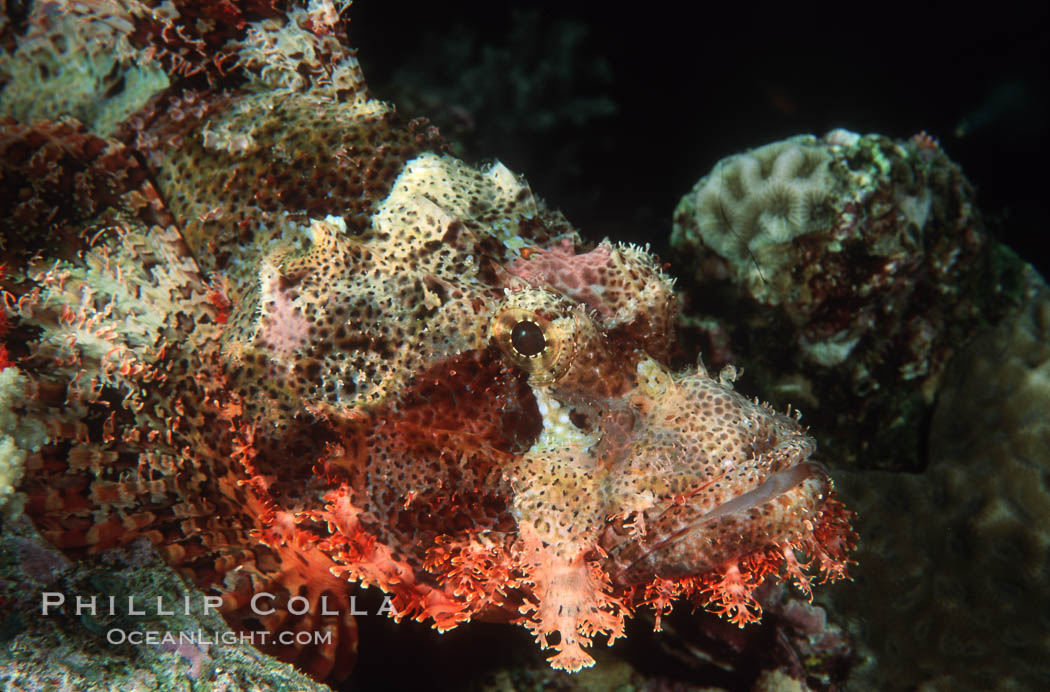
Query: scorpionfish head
{"points": [[492, 429]]}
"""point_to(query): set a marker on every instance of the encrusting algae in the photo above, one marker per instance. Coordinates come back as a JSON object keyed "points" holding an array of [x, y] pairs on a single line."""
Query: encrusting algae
{"points": [[282, 335]]}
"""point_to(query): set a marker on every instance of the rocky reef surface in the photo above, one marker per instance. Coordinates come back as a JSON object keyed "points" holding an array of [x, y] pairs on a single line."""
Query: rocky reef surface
{"points": [[952, 593], [852, 276], [66, 647], [841, 274]]}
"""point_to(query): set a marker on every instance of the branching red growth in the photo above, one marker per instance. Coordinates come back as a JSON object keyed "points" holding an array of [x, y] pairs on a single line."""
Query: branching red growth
{"points": [[832, 540], [362, 558], [481, 576], [796, 571], [730, 594], [660, 594], [728, 591]]}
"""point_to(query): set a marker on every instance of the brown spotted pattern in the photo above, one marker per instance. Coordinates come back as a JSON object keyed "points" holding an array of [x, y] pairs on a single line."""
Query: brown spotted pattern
{"points": [[284, 353]]}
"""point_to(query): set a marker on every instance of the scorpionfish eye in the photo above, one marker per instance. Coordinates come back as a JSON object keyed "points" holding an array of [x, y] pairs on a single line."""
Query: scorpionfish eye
{"points": [[537, 331], [527, 339]]}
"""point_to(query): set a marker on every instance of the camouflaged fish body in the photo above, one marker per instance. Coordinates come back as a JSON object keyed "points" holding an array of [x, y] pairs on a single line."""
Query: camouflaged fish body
{"points": [[283, 335]]}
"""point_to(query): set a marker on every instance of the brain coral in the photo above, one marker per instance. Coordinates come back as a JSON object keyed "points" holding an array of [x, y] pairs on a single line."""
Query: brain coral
{"points": [[752, 205], [953, 595], [853, 267]]}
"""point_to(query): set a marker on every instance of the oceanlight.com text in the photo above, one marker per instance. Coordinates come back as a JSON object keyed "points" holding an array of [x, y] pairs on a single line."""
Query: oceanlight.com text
{"points": [[203, 640]]}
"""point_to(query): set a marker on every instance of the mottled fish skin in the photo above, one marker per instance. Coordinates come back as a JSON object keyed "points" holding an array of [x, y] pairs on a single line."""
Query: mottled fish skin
{"points": [[285, 337]]}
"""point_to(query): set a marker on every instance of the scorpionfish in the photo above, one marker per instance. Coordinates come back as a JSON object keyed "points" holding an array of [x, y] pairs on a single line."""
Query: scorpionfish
{"points": [[276, 330]]}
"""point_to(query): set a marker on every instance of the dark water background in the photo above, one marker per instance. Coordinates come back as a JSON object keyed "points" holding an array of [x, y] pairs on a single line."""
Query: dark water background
{"points": [[689, 85]]}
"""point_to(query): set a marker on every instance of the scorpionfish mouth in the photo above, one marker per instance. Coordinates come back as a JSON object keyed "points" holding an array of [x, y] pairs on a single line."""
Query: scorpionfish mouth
{"points": [[703, 476], [668, 474]]}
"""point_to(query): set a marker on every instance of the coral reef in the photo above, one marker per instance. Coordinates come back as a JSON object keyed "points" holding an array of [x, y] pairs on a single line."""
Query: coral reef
{"points": [[952, 594], [61, 647], [854, 266], [279, 334], [751, 208]]}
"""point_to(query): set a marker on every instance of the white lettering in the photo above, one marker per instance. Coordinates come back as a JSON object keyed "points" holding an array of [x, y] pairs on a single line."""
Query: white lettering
{"points": [[255, 603], [160, 607], [131, 608], [298, 599], [387, 607], [212, 603], [83, 605], [51, 599]]}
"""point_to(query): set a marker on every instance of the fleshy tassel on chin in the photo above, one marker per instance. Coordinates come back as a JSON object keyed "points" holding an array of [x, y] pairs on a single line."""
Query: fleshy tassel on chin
{"points": [[728, 590], [570, 596]]}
